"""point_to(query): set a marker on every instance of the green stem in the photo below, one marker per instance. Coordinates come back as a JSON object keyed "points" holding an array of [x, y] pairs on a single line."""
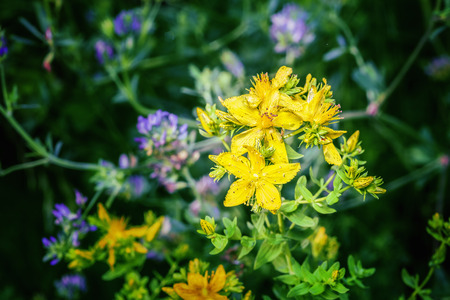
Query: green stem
{"points": [[424, 282], [91, 204], [26, 165], [293, 133], [4, 90], [113, 196], [126, 89], [324, 186], [191, 183], [287, 253], [383, 96]]}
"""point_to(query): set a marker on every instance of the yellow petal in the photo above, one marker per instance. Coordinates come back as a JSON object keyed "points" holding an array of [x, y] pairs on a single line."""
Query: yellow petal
{"points": [[195, 280], [280, 173], [273, 139], [269, 105], [252, 100], [314, 100], [205, 120], [282, 77], [218, 280], [240, 192], [102, 213], [154, 229], [331, 155], [246, 138], [137, 231], [185, 291], [268, 196], [224, 116], [333, 133], [139, 248], [111, 258], [291, 105], [257, 161], [238, 108], [287, 120], [237, 165]]}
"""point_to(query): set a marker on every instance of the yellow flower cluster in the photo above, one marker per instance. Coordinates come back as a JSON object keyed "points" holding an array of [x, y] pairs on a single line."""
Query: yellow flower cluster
{"points": [[117, 239], [269, 109]]}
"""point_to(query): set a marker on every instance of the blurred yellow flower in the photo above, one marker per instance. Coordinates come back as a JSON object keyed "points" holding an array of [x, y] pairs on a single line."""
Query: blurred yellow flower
{"points": [[200, 287], [117, 233]]}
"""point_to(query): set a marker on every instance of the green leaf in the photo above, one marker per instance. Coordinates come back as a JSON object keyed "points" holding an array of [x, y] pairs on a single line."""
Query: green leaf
{"points": [[267, 252], [323, 209], [288, 206], [333, 197], [306, 275], [340, 288], [408, 279], [299, 218], [122, 269], [317, 289], [337, 183], [288, 279], [291, 153], [351, 265], [301, 190], [247, 245], [219, 241], [334, 53], [258, 222], [329, 295], [298, 290], [230, 227], [341, 175]]}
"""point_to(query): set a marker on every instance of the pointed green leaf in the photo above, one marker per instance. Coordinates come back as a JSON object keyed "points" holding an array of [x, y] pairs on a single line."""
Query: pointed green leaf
{"points": [[301, 190], [291, 153], [298, 290], [323, 209], [247, 245], [340, 288], [288, 279], [408, 279], [267, 252], [317, 289], [299, 218], [333, 197]]}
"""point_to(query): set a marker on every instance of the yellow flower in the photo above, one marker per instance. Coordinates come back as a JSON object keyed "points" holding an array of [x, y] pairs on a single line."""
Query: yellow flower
{"points": [[205, 121], [314, 109], [200, 287], [255, 178], [117, 232], [260, 111], [81, 257]]}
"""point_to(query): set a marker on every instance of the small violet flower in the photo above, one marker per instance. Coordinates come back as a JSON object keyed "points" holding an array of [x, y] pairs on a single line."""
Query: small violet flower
{"points": [[290, 31], [103, 51], [127, 22], [439, 68], [167, 144], [3, 47], [70, 286], [232, 63]]}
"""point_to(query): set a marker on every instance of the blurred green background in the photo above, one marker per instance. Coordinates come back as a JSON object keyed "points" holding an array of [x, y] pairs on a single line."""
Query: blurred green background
{"points": [[406, 142]]}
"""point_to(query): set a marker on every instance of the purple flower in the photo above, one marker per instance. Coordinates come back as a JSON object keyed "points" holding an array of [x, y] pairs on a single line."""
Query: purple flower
{"points": [[137, 184], [80, 200], [3, 47], [103, 51], [127, 22], [161, 132], [232, 63], [62, 214], [70, 286], [439, 68], [289, 30], [206, 185]]}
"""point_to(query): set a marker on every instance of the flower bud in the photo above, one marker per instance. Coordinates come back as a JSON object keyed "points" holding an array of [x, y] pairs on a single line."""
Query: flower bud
{"points": [[353, 142], [207, 227], [363, 182]]}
